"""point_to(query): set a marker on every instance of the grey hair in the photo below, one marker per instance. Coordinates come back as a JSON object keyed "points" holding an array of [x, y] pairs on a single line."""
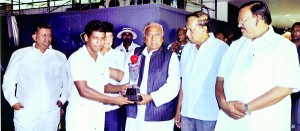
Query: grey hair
{"points": [[153, 24]]}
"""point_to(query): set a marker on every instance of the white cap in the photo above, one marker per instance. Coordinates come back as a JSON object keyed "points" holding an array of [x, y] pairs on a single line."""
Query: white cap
{"points": [[126, 30]]}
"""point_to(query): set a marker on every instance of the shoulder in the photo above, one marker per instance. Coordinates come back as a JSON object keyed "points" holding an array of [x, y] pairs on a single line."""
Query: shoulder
{"points": [[74, 56], [59, 54], [21, 52], [135, 45]]}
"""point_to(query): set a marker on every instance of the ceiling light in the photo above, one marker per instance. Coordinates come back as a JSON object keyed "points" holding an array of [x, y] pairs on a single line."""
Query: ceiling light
{"points": [[287, 15]]}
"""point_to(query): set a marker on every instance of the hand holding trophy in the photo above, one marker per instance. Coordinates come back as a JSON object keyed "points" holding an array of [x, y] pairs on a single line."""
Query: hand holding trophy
{"points": [[134, 68]]}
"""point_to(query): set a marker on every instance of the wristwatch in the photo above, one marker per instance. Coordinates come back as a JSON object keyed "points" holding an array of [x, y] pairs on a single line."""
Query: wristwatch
{"points": [[247, 111]]}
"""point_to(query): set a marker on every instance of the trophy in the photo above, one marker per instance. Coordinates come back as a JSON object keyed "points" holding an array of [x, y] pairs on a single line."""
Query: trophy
{"points": [[134, 68]]}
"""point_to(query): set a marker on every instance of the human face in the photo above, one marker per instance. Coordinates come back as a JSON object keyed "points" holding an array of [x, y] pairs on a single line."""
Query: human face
{"points": [[181, 35], [95, 42], [127, 37], [42, 38], [248, 23], [220, 36], [295, 33], [153, 37], [194, 31], [108, 40]]}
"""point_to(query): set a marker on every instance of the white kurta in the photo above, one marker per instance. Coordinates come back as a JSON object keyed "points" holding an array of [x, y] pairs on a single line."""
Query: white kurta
{"points": [[41, 78], [163, 95], [250, 69], [199, 70], [85, 114]]}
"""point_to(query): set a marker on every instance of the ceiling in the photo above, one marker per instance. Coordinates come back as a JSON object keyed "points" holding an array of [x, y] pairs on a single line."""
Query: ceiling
{"points": [[284, 12]]}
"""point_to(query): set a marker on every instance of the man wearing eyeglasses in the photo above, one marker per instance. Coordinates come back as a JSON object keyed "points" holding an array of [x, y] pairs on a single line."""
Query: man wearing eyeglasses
{"points": [[127, 35], [158, 81], [257, 75]]}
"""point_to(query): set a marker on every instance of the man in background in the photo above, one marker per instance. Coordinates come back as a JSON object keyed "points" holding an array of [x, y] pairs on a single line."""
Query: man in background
{"points": [[295, 35], [177, 46], [36, 83], [127, 35], [115, 117]]}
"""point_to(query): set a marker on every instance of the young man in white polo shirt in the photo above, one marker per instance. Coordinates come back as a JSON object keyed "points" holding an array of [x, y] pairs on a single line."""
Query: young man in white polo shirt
{"points": [[90, 73]]}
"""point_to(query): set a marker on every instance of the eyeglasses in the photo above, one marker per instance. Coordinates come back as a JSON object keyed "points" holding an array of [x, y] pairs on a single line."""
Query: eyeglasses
{"points": [[153, 35], [242, 21]]}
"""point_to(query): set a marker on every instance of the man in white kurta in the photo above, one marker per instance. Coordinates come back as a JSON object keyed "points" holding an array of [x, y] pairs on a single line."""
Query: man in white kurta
{"points": [[261, 71], [36, 83], [164, 94]]}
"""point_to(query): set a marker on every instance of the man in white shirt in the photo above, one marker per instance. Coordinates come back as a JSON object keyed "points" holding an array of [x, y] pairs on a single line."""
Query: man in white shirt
{"points": [[90, 74], [36, 83], [200, 62], [257, 75], [158, 81], [115, 116], [127, 35]]}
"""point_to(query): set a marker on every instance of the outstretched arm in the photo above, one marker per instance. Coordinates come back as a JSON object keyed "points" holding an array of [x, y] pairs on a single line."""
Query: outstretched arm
{"points": [[89, 93]]}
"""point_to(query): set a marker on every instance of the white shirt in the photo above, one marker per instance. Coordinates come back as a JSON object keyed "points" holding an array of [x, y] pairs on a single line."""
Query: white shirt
{"points": [[40, 77], [84, 68], [130, 48], [252, 68], [115, 59], [164, 94], [199, 70]]}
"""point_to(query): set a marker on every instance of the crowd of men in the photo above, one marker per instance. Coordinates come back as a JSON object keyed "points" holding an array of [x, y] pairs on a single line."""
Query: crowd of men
{"points": [[198, 82]]}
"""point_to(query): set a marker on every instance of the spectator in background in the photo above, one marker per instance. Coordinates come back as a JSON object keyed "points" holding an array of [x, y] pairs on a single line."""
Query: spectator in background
{"points": [[258, 73], [178, 45], [221, 35], [115, 116], [36, 83], [199, 64], [127, 35], [90, 74], [295, 37], [158, 81]]}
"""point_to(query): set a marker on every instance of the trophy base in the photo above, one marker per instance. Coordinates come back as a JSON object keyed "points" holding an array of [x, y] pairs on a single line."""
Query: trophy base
{"points": [[135, 98]]}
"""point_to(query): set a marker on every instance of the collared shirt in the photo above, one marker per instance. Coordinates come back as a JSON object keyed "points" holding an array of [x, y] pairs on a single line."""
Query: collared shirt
{"points": [[199, 70], [115, 59], [40, 77], [84, 68], [127, 52], [252, 68], [163, 95]]}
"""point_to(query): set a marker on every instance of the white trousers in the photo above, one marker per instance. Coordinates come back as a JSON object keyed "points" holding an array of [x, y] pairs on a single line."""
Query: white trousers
{"points": [[84, 118], [28, 120]]}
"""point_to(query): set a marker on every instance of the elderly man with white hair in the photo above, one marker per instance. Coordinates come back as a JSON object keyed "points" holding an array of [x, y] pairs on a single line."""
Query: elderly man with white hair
{"points": [[158, 80]]}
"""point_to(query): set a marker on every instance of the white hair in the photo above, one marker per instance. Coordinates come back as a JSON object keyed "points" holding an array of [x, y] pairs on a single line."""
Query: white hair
{"points": [[153, 24]]}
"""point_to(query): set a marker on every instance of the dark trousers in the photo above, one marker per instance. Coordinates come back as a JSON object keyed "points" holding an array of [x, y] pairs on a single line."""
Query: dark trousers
{"points": [[112, 122], [115, 120]]}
